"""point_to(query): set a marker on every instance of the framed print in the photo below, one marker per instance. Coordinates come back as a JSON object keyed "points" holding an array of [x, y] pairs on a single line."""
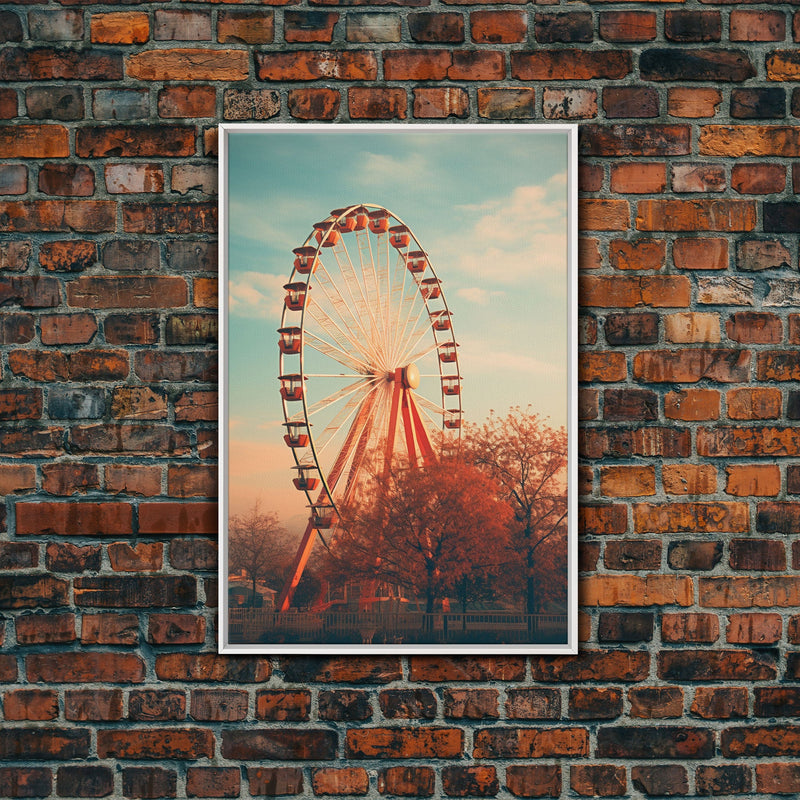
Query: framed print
{"points": [[397, 413]]}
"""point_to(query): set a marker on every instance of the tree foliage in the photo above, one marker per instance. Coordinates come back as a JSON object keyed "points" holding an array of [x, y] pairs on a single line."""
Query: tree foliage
{"points": [[257, 546], [426, 529], [528, 459]]}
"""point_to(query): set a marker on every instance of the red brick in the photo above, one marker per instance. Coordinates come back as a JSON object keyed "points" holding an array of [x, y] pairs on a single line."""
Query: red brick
{"points": [[30, 704], [470, 781], [755, 403], [311, 65], [758, 629], [275, 780], [692, 327], [169, 218], [210, 667], [507, 103], [58, 216], [176, 629], [637, 178], [25, 781], [680, 628], [127, 292], [193, 64], [534, 780], [758, 178], [605, 703], [635, 140], [187, 101], [598, 780], [592, 665], [134, 141], [213, 782], [141, 557], [506, 742], [691, 177], [439, 103], [365, 102], [66, 557], [603, 215], [656, 702], [470, 703], [635, 590], [696, 215], [93, 704], [149, 705], [538, 703], [313, 103], [744, 480], [744, 592], [639, 254], [600, 366], [631, 291], [219, 705], [74, 519], [699, 517], [781, 778], [133, 480], [498, 27], [257, 744], [110, 629], [570, 64], [69, 478], [690, 366], [602, 519], [436, 27], [125, 328], [345, 780], [68, 329], [757, 26], [465, 668], [627, 481], [44, 742], [164, 743], [693, 103], [66, 180], [627, 26], [85, 668], [750, 327], [46, 63], [245, 27], [124, 27], [750, 140], [33, 141], [283, 705], [700, 253]]}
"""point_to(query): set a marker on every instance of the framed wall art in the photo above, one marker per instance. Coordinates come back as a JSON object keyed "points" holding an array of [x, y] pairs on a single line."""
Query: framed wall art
{"points": [[397, 420]]}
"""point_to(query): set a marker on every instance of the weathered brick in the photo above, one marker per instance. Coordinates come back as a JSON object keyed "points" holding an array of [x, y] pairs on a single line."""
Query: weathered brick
{"points": [[50, 63], [590, 703], [120, 27], [436, 27], [245, 26], [54, 102], [573, 27], [507, 742], [181, 25], [275, 780], [285, 744], [82, 667], [534, 780], [498, 27], [192, 64], [213, 782], [724, 779], [598, 780], [665, 741], [309, 65], [149, 782]]}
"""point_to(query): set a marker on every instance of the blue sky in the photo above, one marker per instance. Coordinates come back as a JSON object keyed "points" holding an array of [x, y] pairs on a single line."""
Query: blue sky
{"points": [[489, 207]]}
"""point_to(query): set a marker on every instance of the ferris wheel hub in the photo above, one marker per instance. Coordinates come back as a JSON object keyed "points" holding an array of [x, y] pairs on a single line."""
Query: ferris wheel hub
{"points": [[411, 376]]}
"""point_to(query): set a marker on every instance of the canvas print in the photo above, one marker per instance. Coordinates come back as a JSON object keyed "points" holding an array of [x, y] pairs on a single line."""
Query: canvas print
{"points": [[398, 388]]}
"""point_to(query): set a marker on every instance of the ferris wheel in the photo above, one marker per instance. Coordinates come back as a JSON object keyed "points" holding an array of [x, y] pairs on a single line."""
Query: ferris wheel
{"points": [[368, 364]]}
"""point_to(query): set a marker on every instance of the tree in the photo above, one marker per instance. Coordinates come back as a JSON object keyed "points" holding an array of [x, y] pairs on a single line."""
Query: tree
{"points": [[256, 545], [425, 529], [528, 458]]}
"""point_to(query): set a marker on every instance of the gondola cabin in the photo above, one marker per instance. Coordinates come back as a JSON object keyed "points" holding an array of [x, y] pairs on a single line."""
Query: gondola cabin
{"points": [[441, 320], [451, 384], [304, 261], [447, 352], [291, 387], [323, 517], [306, 480], [399, 236], [378, 221], [295, 296], [289, 343], [430, 289], [296, 435], [323, 228], [452, 419], [417, 261]]}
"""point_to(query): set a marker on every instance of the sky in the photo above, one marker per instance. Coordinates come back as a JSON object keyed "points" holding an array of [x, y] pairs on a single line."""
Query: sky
{"points": [[489, 206]]}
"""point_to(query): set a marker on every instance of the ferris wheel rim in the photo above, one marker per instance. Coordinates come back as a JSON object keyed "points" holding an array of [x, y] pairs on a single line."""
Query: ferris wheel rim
{"points": [[326, 226]]}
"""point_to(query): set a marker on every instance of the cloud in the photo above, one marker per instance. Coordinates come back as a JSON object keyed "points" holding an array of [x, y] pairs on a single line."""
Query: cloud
{"points": [[520, 239], [475, 294], [380, 169], [256, 295]]}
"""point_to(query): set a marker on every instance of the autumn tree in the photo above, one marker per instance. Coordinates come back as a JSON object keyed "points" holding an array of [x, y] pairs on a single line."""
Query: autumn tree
{"points": [[528, 459], [256, 545], [425, 529]]}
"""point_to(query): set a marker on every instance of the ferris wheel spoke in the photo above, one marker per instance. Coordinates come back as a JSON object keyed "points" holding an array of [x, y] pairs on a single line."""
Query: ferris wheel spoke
{"points": [[408, 357], [350, 278], [338, 395], [336, 353], [372, 286], [338, 303], [428, 405], [405, 336], [341, 419], [345, 340]]}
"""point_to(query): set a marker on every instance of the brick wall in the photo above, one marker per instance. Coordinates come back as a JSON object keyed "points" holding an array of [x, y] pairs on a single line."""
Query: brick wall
{"points": [[690, 471]]}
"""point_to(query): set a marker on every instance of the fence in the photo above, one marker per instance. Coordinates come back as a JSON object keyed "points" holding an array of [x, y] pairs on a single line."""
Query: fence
{"points": [[248, 625]]}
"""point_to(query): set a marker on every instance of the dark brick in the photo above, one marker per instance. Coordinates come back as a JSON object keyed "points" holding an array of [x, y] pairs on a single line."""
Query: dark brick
{"points": [[149, 782], [693, 26], [440, 27], [667, 780], [631, 329], [758, 103], [126, 255], [573, 27], [659, 64], [84, 781], [625, 627], [54, 102], [666, 741]]}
